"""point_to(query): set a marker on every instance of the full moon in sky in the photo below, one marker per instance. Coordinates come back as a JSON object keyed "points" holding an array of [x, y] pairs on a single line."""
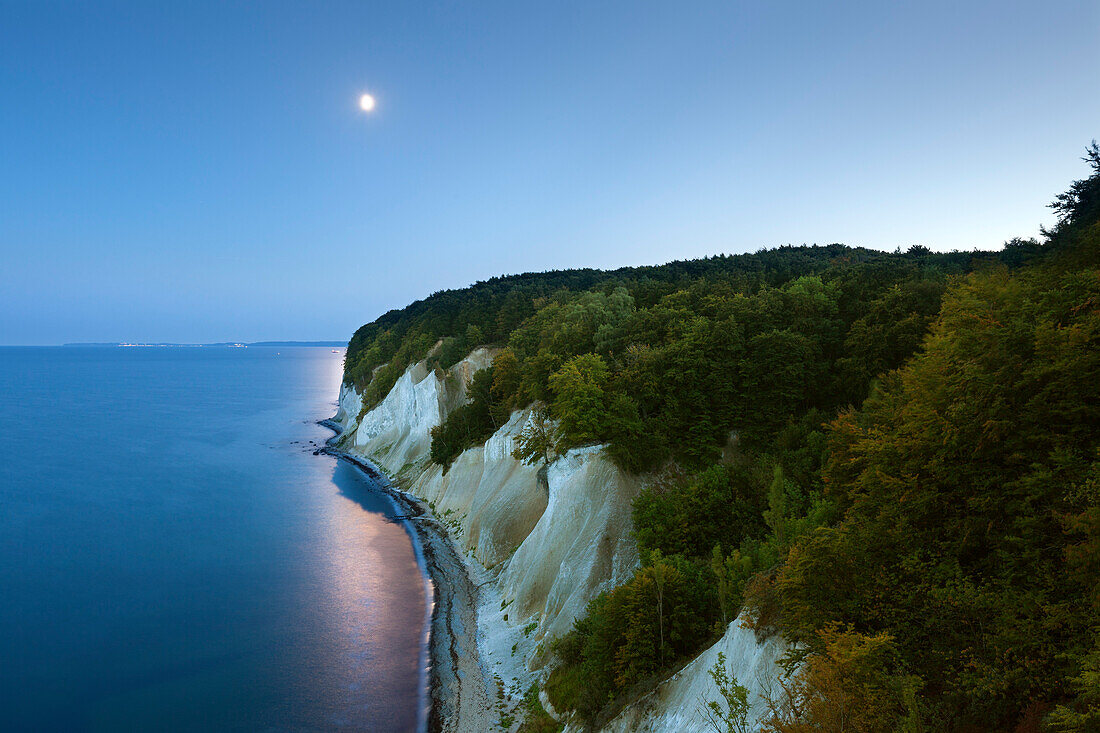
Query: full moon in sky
{"points": [[366, 103]]}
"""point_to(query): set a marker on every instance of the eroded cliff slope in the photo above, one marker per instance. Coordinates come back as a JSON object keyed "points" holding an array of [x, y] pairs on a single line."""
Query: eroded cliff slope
{"points": [[540, 544]]}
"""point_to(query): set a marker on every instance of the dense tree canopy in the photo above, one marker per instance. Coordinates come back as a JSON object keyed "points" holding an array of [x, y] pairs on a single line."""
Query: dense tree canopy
{"points": [[892, 458], [969, 481], [936, 549]]}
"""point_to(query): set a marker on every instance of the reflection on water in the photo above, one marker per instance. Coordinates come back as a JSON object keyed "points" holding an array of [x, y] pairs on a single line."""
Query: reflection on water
{"points": [[371, 562], [178, 559]]}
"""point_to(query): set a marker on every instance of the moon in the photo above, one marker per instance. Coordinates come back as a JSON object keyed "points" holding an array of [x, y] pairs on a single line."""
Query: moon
{"points": [[366, 103]]}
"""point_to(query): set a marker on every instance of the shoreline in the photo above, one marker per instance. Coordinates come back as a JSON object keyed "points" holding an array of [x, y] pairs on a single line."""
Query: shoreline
{"points": [[458, 697]]}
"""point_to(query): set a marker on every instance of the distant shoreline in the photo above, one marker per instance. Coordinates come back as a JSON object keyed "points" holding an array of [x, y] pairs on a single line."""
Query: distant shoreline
{"points": [[217, 345]]}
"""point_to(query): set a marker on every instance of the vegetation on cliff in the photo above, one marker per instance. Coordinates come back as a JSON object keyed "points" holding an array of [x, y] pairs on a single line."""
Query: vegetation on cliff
{"points": [[891, 458]]}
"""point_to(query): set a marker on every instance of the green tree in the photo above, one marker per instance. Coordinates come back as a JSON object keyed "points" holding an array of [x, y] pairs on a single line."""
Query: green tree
{"points": [[727, 572], [505, 386], [466, 426], [1081, 203], [538, 440], [1082, 713], [689, 515], [581, 401], [730, 714], [960, 476], [662, 573]]}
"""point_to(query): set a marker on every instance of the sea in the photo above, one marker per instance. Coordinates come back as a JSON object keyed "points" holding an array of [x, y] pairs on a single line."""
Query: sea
{"points": [[175, 557]]}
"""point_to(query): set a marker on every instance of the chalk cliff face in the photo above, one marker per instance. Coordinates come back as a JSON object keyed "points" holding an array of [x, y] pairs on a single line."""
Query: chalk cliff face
{"points": [[545, 545], [395, 433], [554, 542], [677, 704], [496, 499], [349, 406], [581, 544]]}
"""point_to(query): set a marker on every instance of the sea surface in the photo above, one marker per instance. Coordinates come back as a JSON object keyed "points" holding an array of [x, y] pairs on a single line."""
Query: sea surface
{"points": [[173, 557]]}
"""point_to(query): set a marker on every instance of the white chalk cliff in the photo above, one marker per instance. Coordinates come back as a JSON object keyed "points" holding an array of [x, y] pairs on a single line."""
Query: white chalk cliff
{"points": [[543, 546]]}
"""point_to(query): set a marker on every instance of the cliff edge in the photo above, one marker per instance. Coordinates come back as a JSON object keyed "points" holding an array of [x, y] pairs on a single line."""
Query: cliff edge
{"points": [[537, 549]]}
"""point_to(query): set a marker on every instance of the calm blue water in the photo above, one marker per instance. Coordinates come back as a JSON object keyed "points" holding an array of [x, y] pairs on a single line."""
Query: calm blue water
{"points": [[173, 557]]}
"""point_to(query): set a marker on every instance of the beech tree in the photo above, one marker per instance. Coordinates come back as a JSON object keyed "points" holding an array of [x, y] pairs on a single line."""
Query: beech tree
{"points": [[580, 398], [538, 441]]}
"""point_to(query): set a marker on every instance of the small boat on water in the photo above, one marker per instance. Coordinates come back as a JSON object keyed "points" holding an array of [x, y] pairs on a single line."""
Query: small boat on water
{"points": [[335, 351]]}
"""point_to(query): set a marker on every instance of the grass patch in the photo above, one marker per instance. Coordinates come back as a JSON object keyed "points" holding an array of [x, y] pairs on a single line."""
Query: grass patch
{"points": [[535, 717]]}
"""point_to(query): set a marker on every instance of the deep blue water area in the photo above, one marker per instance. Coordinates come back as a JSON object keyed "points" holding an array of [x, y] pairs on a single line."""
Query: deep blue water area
{"points": [[174, 557]]}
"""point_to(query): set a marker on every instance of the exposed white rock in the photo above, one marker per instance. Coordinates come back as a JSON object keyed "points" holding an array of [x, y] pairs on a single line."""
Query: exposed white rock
{"points": [[552, 543], [580, 546], [396, 433], [494, 498], [540, 547], [350, 406], [677, 704]]}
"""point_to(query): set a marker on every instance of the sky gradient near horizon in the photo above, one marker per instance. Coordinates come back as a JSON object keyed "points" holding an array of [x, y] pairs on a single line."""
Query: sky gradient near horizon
{"points": [[198, 172]]}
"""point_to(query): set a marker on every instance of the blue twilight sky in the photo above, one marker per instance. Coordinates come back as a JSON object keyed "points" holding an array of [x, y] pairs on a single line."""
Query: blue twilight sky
{"points": [[199, 171]]}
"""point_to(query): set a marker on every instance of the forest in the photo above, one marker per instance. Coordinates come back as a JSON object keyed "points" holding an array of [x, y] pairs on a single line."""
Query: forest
{"points": [[890, 458]]}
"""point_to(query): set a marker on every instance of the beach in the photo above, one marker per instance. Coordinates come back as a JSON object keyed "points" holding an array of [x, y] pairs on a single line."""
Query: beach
{"points": [[458, 691]]}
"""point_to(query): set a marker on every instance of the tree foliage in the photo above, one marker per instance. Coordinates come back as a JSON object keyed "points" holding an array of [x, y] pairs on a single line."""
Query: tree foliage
{"points": [[853, 683], [933, 549], [969, 481], [891, 458], [538, 440], [469, 425], [730, 713]]}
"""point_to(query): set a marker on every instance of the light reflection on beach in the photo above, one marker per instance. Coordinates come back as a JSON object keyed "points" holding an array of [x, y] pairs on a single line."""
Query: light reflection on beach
{"points": [[375, 606]]}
